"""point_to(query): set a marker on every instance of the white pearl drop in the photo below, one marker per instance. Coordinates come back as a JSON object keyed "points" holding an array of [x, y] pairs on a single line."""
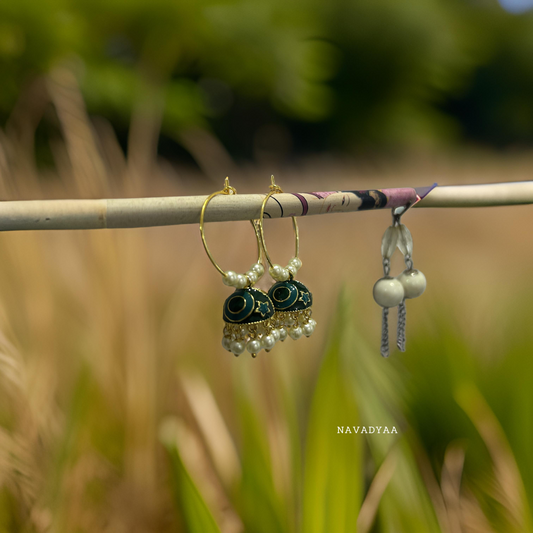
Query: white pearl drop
{"points": [[253, 346], [230, 278], [308, 330], [237, 347], [388, 292], [312, 322], [242, 281], [276, 334], [295, 333], [413, 282], [268, 342], [226, 343], [282, 334], [289, 321]]}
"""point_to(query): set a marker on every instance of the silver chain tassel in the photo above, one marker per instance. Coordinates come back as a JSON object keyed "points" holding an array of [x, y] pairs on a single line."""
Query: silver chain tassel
{"points": [[385, 317], [400, 335], [385, 332], [402, 313]]}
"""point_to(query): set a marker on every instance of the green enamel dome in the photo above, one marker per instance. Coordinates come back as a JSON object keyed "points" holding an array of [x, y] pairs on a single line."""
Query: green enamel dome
{"points": [[246, 306], [290, 296]]}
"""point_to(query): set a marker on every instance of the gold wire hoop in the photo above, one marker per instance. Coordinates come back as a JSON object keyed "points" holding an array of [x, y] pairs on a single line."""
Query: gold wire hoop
{"points": [[227, 190], [275, 189]]}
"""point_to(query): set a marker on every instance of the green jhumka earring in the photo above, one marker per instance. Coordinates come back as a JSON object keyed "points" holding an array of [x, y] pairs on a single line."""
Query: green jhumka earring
{"points": [[292, 299], [248, 313]]}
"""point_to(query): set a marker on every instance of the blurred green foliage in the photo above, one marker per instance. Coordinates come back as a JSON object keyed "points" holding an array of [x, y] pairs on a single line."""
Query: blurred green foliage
{"points": [[458, 461], [329, 75]]}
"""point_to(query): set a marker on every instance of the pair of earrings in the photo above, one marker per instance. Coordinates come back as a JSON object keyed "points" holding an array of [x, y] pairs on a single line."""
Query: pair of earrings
{"points": [[256, 320], [392, 292]]}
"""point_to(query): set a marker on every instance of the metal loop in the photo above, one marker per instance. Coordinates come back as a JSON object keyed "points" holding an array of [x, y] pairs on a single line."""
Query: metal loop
{"points": [[227, 190], [276, 189]]}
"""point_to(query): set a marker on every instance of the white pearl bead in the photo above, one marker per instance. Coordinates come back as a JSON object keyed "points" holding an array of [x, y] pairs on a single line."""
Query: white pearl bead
{"points": [[268, 342], [308, 330], [259, 269], [413, 282], [388, 292], [284, 274], [296, 263], [289, 321], [252, 276], [237, 347], [226, 343], [282, 334], [230, 278], [253, 346], [292, 270], [275, 271], [276, 334], [241, 282], [295, 333]]}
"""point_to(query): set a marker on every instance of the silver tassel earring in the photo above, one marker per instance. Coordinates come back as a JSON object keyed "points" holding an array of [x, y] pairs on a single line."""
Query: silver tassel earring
{"points": [[392, 292]]}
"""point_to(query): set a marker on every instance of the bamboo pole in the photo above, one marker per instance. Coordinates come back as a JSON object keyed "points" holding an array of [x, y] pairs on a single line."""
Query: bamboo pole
{"points": [[146, 212]]}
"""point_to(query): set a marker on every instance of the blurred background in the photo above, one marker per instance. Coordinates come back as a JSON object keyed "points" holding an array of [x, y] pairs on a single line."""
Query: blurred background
{"points": [[120, 410]]}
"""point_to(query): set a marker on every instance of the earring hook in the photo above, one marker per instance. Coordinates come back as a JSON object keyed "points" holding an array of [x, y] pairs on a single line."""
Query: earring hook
{"points": [[228, 189], [398, 212], [273, 187]]}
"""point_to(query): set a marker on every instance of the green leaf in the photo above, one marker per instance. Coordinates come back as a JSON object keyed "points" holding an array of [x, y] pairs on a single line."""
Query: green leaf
{"points": [[197, 515], [333, 460], [260, 505]]}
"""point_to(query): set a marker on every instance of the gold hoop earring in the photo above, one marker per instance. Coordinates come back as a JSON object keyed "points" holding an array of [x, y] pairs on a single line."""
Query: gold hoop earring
{"points": [[248, 312], [292, 300]]}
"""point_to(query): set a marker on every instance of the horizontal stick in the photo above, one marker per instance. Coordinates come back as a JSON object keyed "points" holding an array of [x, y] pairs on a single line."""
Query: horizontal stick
{"points": [[145, 212], [485, 195]]}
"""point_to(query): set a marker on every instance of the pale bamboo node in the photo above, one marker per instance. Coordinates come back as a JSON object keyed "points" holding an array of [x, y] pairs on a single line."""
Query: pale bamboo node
{"points": [[146, 212]]}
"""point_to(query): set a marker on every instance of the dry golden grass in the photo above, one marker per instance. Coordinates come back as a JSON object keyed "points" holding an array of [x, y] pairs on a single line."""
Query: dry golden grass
{"points": [[111, 336]]}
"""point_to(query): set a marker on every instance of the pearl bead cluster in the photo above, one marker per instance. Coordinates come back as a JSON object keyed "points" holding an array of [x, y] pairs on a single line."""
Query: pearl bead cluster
{"points": [[390, 292], [256, 337], [252, 337], [240, 281], [297, 323], [280, 273]]}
